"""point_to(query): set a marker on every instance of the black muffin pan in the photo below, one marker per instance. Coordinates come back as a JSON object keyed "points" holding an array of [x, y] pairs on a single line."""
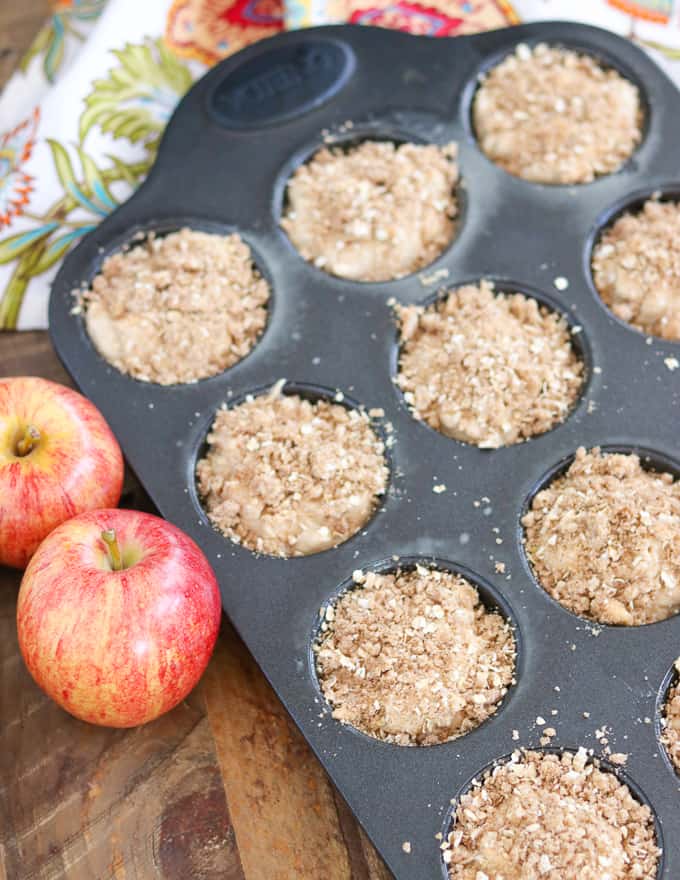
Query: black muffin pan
{"points": [[223, 165]]}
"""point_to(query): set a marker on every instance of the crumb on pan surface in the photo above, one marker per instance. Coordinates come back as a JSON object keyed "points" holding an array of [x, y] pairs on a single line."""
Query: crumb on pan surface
{"points": [[488, 369], [636, 268], [670, 722], [603, 539], [375, 211], [552, 115], [289, 477], [548, 815], [177, 308], [414, 657]]}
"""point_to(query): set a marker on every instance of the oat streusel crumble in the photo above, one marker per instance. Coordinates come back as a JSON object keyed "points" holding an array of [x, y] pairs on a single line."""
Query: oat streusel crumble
{"points": [[670, 723], [375, 211], [488, 369], [548, 815], [414, 657], [289, 477], [177, 308], [551, 115], [636, 268], [603, 539]]}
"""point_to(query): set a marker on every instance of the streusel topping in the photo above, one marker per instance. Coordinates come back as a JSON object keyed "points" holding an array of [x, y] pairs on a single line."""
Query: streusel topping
{"points": [[603, 539], [374, 212], [670, 723], [551, 115], [547, 815], [287, 476], [636, 268], [414, 657], [177, 308], [488, 369]]}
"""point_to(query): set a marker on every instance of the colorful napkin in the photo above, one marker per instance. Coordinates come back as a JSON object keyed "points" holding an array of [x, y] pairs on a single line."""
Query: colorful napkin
{"points": [[81, 119]]}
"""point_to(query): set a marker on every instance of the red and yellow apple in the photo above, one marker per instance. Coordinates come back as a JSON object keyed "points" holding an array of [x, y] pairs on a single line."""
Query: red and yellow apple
{"points": [[58, 458], [118, 613]]}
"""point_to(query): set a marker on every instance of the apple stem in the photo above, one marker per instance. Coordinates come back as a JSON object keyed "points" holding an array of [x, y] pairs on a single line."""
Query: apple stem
{"points": [[109, 538], [27, 442]]}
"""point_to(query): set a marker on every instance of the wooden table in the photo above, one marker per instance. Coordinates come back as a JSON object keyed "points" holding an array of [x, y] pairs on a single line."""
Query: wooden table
{"points": [[222, 787]]}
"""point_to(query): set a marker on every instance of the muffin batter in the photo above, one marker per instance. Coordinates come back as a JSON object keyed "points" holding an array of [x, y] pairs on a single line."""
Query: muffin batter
{"points": [[177, 308], [550, 115], [375, 211], [553, 816], [603, 540], [636, 268], [413, 657], [487, 369], [289, 477]]}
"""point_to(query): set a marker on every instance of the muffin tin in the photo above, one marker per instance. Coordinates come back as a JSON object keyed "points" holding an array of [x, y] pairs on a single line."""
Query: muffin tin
{"points": [[223, 165]]}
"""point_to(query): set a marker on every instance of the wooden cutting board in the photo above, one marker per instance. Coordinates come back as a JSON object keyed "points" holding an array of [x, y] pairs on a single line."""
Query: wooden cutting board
{"points": [[222, 787]]}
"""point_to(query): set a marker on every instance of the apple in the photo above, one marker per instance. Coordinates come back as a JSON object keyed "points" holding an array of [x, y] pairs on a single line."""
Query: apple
{"points": [[117, 614], [58, 458]]}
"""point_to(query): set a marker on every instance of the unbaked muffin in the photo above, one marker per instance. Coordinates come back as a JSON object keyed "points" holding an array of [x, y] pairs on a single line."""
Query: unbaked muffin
{"points": [[489, 369], [636, 268], [287, 476], [670, 721], [548, 815], [603, 539], [551, 115], [177, 308], [413, 657], [375, 211]]}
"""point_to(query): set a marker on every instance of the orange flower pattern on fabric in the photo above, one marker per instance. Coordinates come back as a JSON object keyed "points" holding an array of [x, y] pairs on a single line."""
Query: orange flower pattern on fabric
{"points": [[15, 185], [208, 30], [659, 11], [436, 18]]}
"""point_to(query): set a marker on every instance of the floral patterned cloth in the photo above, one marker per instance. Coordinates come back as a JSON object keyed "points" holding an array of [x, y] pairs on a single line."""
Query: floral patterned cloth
{"points": [[81, 119]]}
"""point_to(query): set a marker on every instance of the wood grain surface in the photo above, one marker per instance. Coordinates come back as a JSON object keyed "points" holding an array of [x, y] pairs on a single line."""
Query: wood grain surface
{"points": [[222, 787]]}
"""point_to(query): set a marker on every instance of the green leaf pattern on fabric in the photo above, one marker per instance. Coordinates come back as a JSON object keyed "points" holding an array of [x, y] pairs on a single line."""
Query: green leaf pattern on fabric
{"points": [[50, 41], [13, 247], [133, 103], [138, 96]]}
